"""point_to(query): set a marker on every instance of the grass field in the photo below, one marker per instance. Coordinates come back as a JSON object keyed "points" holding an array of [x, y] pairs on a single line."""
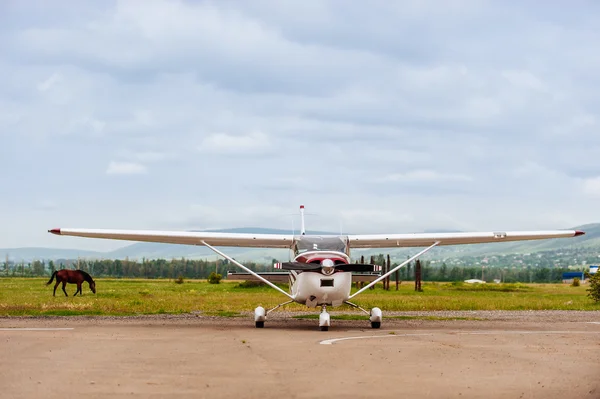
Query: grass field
{"points": [[30, 296]]}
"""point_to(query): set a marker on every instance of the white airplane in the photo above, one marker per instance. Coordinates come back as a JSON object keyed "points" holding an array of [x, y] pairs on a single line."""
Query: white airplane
{"points": [[321, 271]]}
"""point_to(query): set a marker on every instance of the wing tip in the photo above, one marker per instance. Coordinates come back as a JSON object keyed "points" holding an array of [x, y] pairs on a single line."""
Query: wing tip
{"points": [[54, 231], [579, 233]]}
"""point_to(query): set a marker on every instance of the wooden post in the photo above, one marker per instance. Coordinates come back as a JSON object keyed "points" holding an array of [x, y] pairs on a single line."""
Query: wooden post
{"points": [[397, 272], [389, 267], [384, 267], [418, 275], [373, 262], [385, 270]]}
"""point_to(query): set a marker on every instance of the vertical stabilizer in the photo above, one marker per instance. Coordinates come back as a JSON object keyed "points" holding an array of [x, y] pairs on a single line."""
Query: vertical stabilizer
{"points": [[302, 231]]}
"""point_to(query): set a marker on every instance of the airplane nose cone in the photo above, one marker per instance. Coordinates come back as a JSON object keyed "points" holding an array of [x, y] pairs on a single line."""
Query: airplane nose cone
{"points": [[327, 262]]}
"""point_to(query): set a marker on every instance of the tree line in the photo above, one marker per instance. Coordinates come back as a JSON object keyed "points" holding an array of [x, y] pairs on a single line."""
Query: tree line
{"points": [[201, 269], [153, 268]]}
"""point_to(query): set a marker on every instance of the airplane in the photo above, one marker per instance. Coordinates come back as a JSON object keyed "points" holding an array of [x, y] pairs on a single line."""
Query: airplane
{"points": [[320, 273]]}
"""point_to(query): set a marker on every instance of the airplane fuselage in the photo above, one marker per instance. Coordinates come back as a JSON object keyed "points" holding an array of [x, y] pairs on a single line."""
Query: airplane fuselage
{"points": [[315, 289], [324, 286]]}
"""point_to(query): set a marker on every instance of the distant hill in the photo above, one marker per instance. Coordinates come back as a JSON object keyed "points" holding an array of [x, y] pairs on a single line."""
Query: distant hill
{"points": [[167, 251], [151, 250], [28, 254], [590, 240]]}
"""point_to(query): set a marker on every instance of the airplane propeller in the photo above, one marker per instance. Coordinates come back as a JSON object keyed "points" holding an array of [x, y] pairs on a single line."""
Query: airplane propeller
{"points": [[349, 267]]}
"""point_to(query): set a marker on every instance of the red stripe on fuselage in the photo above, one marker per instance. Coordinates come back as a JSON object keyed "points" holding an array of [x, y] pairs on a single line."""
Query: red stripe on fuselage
{"points": [[317, 257]]}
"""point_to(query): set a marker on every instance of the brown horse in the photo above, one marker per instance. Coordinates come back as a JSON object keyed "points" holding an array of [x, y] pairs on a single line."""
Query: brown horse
{"points": [[65, 276]]}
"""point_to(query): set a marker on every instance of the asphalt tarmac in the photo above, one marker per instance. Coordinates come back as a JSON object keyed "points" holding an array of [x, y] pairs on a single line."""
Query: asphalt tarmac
{"points": [[531, 355]]}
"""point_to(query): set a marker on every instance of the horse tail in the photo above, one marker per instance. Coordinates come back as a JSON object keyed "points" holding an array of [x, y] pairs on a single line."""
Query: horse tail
{"points": [[52, 278]]}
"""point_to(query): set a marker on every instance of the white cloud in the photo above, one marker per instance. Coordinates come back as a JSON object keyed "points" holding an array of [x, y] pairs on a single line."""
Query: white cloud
{"points": [[524, 78], [86, 124], [143, 117], [46, 205], [591, 187], [145, 156], [125, 168], [48, 83], [423, 175], [226, 143], [465, 109]]}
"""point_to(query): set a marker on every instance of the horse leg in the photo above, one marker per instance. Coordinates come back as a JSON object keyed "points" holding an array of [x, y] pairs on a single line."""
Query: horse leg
{"points": [[64, 285], [55, 285], [78, 289]]}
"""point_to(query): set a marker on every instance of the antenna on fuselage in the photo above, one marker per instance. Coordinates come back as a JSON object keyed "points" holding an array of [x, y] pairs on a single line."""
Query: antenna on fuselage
{"points": [[302, 231]]}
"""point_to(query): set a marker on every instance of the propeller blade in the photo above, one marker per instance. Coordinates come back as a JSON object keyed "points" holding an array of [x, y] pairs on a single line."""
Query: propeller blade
{"points": [[358, 267], [300, 266]]}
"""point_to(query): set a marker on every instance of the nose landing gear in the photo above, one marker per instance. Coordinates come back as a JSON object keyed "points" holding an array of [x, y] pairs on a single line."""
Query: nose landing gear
{"points": [[324, 319]]}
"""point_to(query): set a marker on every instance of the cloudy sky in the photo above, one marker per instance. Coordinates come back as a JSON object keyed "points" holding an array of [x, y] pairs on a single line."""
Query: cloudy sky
{"points": [[380, 117]]}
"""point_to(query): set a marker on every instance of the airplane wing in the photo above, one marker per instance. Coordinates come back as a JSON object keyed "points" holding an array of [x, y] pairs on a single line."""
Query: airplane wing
{"points": [[185, 237], [288, 240], [427, 239]]}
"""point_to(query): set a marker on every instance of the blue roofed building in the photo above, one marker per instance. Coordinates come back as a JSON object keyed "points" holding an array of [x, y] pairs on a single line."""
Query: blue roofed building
{"points": [[568, 277]]}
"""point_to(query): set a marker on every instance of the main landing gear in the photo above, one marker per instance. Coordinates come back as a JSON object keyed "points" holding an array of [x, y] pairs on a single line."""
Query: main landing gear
{"points": [[260, 315], [375, 316]]}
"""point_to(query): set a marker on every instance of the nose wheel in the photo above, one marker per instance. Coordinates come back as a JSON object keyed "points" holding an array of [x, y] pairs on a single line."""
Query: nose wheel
{"points": [[259, 317], [324, 319]]}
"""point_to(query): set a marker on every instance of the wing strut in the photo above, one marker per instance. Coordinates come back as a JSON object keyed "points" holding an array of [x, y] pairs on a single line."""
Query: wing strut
{"points": [[372, 283], [248, 270]]}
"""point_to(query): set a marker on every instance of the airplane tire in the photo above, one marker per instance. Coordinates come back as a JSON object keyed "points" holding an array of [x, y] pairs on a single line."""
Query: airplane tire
{"points": [[260, 324], [375, 324], [324, 328]]}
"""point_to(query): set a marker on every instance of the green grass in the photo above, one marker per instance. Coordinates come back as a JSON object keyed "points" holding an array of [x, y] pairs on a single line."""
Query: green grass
{"points": [[30, 296]]}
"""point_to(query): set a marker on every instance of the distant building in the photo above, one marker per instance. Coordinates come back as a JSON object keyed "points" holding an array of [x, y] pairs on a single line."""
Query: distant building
{"points": [[474, 281], [593, 269], [568, 277]]}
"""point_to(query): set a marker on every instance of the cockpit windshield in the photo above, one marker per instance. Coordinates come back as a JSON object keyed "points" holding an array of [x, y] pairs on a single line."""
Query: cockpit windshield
{"points": [[319, 243]]}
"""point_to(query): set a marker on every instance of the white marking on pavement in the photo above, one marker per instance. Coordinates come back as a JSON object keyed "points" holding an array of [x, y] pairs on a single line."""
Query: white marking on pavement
{"points": [[333, 340], [35, 329]]}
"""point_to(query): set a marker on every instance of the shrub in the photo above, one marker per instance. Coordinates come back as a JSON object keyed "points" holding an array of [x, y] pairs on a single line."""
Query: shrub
{"points": [[575, 282], [179, 280], [250, 284], [594, 290], [214, 278]]}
